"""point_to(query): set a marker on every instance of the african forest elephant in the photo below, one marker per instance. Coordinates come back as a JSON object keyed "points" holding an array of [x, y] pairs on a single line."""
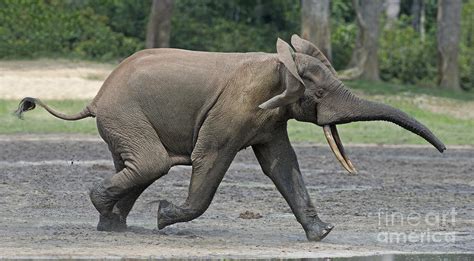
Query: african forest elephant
{"points": [[167, 107]]}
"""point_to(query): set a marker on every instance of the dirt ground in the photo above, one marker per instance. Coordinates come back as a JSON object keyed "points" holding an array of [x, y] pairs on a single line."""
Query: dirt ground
{"points": [[51, 79], [45, 209]]}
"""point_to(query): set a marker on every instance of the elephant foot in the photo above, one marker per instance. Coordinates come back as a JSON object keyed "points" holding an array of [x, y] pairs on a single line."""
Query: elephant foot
{"points": [[101, 199], [111, 222], [169, 214], [166, 214], [318, 230]]}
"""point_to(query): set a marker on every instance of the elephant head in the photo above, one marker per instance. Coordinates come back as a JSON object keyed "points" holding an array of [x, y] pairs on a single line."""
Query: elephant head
{"points": [[313, 93]]}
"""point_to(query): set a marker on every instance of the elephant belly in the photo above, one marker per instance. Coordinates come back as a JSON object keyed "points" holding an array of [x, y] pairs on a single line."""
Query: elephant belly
{"points": [[176, 115], [176, 131]]}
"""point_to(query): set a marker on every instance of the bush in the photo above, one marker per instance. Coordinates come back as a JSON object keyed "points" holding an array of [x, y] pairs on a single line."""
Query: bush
{"points": [[128, 17], [342, 39], [406, 58], [30, 29], [233, 26], [466, 57]]}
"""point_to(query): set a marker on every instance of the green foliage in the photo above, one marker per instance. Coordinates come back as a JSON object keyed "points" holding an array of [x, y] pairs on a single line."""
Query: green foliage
{"points": [[40, 28], [342, 39], [405, 57], [343, 33], [466, 57], [114, 29], [233, 26], [342, 11], [127, 17]]}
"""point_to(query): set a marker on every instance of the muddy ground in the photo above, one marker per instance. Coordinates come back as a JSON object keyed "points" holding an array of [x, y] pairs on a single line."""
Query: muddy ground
{"points": [[45, 209]]}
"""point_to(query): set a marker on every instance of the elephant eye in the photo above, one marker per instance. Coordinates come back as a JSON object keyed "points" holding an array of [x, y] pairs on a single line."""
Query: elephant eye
{"points": [[319, 93]]}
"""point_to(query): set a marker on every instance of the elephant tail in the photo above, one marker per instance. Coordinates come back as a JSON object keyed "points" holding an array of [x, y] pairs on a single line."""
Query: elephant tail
{"points": [[29, 103]]}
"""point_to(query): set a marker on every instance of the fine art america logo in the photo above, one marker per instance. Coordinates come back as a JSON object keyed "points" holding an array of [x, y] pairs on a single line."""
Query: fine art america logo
{"points": [[428, 227]]}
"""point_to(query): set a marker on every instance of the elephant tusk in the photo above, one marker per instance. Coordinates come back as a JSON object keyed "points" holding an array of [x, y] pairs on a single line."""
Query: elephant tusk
{"points": [[335, 134], [335, 149]]}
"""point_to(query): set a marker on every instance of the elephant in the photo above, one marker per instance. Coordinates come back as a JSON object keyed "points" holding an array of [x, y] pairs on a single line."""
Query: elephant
{"points": [[165, 107]]}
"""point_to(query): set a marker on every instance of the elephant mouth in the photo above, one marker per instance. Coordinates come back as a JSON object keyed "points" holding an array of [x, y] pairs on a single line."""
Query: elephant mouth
{"points": [[332, 136]]}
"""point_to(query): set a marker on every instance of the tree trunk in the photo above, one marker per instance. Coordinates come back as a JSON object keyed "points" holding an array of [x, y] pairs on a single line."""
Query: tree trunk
{"points": [[392, 9], [364, 61], [448, 36], [418, 17], [159, 24], [315, 26]]}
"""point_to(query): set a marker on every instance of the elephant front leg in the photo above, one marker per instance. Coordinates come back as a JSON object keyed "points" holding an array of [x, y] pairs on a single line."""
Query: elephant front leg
{"points": [[209, 167], [278, 161]]}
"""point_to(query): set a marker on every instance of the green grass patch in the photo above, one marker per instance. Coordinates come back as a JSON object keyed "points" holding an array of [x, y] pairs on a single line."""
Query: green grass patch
{"points": [[39, 121]]}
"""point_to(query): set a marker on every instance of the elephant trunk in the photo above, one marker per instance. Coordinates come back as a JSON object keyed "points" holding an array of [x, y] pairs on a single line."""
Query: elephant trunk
{"points": [[356, 109], [377, 111]]}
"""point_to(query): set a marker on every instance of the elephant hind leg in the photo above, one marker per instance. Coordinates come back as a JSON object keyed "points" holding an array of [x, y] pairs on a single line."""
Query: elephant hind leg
{"points": [[210, 161], [123, 207], [139, 164], [208, 172], [117, 220]]}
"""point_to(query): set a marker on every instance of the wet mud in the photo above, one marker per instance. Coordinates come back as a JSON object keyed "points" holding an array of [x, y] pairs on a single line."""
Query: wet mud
{"points": [[399, 191]]}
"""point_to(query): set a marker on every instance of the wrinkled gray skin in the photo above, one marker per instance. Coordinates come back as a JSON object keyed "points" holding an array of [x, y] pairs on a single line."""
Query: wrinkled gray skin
{"points": [[166, 107]]}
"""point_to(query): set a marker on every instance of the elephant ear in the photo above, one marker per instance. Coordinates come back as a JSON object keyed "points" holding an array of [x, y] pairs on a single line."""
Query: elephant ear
{"points": [[294, 85], [306, 47]]}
